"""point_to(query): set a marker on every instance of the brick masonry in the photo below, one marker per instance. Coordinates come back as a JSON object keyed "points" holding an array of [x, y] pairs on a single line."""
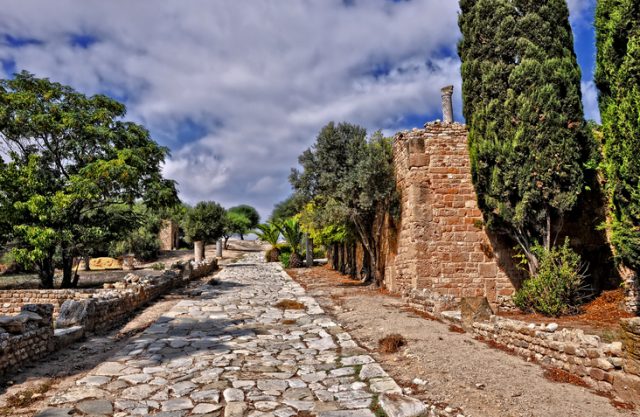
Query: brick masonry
{"points": [[442, 252]]}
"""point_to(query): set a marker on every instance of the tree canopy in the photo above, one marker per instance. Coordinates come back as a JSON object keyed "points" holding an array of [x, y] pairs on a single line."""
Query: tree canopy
{"points": [[205, 222], [69, 158], [528, 141], [618, 79], [354, 176]]}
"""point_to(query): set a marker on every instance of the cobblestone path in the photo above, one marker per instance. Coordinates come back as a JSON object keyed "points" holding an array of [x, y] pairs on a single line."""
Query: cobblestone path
{"points": [[231, 352]]}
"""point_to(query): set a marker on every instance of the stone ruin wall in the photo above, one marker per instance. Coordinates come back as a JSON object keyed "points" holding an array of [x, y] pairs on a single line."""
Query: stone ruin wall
{"points": [[441, 252], [33, 333]]}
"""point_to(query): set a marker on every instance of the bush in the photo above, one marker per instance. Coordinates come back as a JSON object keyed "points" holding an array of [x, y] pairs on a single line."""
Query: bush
{"points": [[285, 258], [142, 243], [558, 286], [158, 266], [284, 248]]}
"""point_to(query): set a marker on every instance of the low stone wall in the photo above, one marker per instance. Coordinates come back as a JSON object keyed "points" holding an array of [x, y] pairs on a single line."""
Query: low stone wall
{"points": [[26, 337], [30, 334], [11, 301], [606, 367]]}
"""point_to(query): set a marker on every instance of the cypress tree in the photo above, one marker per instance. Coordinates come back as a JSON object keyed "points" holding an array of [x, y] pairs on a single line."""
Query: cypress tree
{"points": [[618, 79], [528, 140]]}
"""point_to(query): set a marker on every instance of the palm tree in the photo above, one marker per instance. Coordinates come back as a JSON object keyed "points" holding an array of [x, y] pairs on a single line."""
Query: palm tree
{"points": [[290, 229], [269, 232]]}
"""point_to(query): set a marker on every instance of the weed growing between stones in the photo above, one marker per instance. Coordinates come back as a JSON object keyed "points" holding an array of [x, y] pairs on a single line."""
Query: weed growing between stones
{"points": [[391, 343], [290, 305], [376, 407], [357, 369]]}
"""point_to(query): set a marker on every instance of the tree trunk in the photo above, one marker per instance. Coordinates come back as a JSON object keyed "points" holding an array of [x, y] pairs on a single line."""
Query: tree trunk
{"points": [[354, 261], [46, 273], [67, 271], [335, 257], [241, 236], [226, 242], [309, 252], [87, 263]]}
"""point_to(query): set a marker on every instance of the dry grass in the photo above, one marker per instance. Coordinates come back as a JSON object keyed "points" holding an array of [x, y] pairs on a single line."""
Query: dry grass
{"points": [[288, 321], [564, 377], [456, 329], [290, 305], [419, 313], [29, 396], [391, 343]]}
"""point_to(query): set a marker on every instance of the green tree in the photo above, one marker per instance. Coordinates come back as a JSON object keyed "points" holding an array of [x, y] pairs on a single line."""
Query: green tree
{"points": [[356, 174], [70, 157], [205, 222], [236, 223], [618, 79], [249, 213], [528, 141], [287, 208], [269, 233], [292, 233]]}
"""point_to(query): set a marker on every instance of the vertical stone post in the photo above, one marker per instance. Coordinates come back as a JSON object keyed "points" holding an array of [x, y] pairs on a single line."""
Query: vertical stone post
{"points": [[309, 251], [447, 104], [219, 248], [198, 250]]}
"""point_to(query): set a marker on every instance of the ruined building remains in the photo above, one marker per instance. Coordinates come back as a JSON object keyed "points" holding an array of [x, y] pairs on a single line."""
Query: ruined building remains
{"points": [[441, 251]]}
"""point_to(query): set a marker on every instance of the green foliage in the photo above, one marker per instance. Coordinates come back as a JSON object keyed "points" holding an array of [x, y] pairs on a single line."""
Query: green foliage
{"points": [[288, 208], [71, 160], [528, 140], [618, 79], [285, 258], [292, 234], [268, 232], [205, 222], [158, 266], [249, 213], [237, 223], [557, 287], [141, 242], [353, 177]]}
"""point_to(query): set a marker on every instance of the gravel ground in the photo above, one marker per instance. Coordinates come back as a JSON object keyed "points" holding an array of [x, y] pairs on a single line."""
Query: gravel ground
{"points": [[456, 368]]}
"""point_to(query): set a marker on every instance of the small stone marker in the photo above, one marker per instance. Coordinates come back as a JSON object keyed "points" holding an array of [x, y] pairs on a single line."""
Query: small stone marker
{"points": [[474, 309]]}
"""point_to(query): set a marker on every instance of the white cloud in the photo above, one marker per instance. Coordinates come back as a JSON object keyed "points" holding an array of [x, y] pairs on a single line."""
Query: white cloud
{"points": [[590, 100], [579, 11], [258, 79]]}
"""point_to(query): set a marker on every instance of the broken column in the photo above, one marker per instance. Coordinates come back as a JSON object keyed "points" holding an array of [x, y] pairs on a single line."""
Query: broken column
{"points": [[447, 104]]}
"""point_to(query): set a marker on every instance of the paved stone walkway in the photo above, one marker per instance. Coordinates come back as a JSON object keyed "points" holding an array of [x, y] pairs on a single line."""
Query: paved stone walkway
{"points": [[232, 353]]}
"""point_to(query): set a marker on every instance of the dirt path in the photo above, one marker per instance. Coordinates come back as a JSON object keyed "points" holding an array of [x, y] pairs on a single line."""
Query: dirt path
{"points": [[455, 368], [60, 370]]}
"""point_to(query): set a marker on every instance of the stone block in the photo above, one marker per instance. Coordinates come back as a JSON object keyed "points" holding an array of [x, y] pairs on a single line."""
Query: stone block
{"points": [[76, 313], [474, 309]]}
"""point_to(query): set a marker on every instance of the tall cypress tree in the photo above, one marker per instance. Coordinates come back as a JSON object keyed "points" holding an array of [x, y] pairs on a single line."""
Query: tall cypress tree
{"points": [[528, 140], [618, 79]]}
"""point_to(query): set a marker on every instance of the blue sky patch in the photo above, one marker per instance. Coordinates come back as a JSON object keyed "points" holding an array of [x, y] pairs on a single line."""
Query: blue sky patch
{"points": [[83, 41]]}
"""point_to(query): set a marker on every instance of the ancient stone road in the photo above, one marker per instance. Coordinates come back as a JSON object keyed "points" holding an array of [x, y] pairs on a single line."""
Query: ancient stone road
{"points": [[230, 353]]}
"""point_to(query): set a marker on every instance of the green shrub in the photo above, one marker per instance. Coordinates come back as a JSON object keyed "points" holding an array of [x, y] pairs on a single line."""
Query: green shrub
{"points": [[144, 244], [284, 248], [285, 258], [557, 288], [319, 253], [158, 266]]}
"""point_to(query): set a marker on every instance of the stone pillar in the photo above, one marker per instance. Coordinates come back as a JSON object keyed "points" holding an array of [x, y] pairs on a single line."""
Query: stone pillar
{"points": [[447, 104], [198, 250], [309, 250], [219, 248]]}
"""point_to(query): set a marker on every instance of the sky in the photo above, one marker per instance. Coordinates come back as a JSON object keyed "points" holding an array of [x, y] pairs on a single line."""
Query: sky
{"points": [[238, 89]]}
